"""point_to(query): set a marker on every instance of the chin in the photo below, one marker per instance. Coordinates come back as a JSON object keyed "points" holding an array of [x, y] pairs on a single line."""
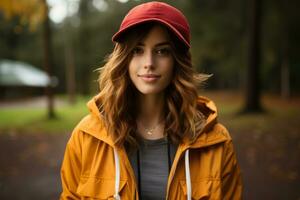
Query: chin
{"points": [[149, 91]]}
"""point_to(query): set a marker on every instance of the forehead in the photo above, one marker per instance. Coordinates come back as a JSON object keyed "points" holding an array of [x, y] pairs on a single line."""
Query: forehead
{"points": [[157, 34]]}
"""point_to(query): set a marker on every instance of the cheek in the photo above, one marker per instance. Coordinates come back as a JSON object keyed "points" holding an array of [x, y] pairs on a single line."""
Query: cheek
{"points": [[169, 68], [132, 70], [169, 76]]}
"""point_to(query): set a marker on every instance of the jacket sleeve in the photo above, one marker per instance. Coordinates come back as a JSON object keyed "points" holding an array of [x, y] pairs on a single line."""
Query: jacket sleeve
{"points": [[71, 168], [231, 176]]}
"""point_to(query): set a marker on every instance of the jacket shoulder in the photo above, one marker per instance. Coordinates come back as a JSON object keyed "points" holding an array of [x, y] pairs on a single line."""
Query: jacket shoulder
{"points": [[221, 129], [78, 132], [93, 127]]}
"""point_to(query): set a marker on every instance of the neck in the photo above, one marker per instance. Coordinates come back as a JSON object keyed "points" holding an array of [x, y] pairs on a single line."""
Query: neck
{"points": [[150, 114]]}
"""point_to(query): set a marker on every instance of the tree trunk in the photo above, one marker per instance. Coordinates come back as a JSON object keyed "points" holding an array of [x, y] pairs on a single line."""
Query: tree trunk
{"points": [[70, 70], [69, 61], [285, 72], [83, 47], [252, 100], [48, 61]]}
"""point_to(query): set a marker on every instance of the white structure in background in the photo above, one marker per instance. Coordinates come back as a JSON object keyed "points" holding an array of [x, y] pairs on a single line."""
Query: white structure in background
{"points": [[16, 73]]}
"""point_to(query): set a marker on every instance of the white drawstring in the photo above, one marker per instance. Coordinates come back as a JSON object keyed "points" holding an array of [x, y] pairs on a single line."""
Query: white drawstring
{"points": [[188, 175], [117, 179]]}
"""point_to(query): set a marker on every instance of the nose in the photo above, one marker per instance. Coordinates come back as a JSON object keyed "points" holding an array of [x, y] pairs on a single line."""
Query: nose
{"points": [[148, 60]]}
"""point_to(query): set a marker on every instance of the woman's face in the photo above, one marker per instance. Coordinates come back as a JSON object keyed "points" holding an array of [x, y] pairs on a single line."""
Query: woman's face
{"points": [[152, 63]]}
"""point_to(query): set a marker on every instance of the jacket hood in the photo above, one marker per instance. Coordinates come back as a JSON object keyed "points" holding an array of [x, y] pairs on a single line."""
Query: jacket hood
{"points": [[93, 124]]}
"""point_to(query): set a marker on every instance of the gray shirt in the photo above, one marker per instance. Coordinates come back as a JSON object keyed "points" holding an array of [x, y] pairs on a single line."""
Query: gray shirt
{"points": [[151, 167]]}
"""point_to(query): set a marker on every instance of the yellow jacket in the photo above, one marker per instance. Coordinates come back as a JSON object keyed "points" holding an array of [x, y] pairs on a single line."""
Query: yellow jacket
{"points": [[93, 168]]}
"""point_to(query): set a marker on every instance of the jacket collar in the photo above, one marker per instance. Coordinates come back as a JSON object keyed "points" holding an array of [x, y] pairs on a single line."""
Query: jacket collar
{"points": [[93, 125], [210, 134]]}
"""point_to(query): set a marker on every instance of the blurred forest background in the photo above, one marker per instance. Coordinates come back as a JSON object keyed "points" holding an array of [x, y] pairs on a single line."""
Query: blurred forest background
{"points": [[219, 29], [251, 47]]}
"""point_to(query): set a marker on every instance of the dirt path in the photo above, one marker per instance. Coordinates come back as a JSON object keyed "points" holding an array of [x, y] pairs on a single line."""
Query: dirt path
{"points": [[33, 102], [30, 166], [270, 164]]}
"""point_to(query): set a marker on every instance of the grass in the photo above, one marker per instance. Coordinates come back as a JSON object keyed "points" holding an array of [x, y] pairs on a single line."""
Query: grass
{"points": [[34, 120], [279, 116]]}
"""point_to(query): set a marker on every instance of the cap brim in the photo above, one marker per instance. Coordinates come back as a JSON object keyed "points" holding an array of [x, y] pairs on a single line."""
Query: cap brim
{"points": [[118, 35]]}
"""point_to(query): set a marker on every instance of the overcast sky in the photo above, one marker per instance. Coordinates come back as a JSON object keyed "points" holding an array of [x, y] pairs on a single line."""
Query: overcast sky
{"points": [[59, 9]]}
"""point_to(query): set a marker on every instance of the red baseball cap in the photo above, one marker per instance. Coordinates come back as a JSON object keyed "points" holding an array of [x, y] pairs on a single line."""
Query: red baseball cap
{"points": [[160, 12]]}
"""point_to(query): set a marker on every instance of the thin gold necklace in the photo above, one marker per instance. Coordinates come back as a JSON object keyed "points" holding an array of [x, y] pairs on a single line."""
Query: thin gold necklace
{"points": [[150, 131]]}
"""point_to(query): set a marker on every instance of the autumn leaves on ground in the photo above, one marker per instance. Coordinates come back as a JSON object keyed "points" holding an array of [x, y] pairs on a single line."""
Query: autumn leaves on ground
{"points": [[267, 146]]}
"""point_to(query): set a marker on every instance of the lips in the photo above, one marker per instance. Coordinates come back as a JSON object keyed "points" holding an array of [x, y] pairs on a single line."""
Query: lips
{"points": [[149, 77]]}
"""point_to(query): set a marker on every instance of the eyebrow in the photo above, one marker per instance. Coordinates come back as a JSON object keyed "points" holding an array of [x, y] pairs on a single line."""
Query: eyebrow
{"points": [[156, 45]]}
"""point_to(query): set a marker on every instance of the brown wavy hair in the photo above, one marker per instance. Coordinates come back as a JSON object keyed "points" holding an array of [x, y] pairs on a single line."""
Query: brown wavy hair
{"points": [[118, 94]]}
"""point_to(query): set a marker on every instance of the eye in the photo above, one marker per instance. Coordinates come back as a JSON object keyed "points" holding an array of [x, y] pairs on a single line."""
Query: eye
{"points": [[137, 51], [163, 51]]}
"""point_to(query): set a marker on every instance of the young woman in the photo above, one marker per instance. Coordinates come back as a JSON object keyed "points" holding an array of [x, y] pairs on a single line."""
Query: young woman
{"points": [[149, 135]]}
